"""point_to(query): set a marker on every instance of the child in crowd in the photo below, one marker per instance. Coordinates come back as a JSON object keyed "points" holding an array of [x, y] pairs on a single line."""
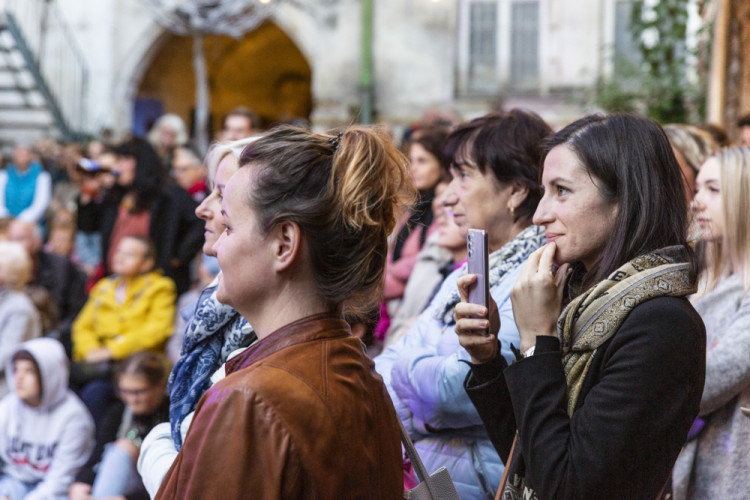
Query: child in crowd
{"points": [[19, 319], [61, 239], [46, 434], [141, 384], [131, 311]]}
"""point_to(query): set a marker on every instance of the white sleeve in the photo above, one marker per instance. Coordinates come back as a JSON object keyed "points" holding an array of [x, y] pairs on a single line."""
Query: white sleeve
{"points": [[156, 457], [72, 452], [42, 195]]}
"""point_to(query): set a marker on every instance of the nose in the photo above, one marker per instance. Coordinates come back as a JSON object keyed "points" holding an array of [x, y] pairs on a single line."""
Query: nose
{"points": [[202, 210], [544, 213], [449, 197], [697, 204]]}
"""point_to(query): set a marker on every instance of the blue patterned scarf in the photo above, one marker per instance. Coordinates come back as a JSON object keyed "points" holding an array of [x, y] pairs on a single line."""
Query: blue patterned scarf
{"points": [[212, 333], [501, 262]]}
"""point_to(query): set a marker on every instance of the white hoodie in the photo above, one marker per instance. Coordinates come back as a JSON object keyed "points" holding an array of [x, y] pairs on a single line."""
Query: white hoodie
{"points": [[46, 444]]}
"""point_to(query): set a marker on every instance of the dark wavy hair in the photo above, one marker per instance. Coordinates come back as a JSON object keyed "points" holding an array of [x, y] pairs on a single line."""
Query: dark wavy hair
{"points": [[507, 144], [149, 173], [630, 160]]}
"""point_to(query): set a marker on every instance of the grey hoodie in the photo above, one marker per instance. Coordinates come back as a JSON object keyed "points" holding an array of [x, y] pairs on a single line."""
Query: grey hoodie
{"points": [[47, 444]]}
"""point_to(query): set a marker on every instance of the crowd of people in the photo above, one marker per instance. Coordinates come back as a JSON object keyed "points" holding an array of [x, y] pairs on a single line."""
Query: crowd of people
{"points": [[258, 321]]}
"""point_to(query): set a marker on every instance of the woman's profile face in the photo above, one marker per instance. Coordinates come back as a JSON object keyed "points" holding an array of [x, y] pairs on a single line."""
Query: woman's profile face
{"points": [[707, 202], [479, 201], [424, 167], [244, 255], [210, 208], [572, 210], [450, 235]]}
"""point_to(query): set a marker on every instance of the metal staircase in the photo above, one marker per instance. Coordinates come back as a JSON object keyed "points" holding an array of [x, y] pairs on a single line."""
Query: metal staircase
{"points": [[43, 76]]}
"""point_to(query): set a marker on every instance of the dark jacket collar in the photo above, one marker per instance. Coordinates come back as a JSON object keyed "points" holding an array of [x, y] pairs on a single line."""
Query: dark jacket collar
{"points": [[315, 327]]}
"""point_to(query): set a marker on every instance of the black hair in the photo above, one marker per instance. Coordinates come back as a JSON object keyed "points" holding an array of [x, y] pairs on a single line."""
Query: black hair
{"points": [[630, 160], [149, 173]]}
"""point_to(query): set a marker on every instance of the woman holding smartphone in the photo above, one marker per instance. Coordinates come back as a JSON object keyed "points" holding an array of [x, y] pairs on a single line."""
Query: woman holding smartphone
{"points": [[301, 413], [612, 353], [495, 162]]}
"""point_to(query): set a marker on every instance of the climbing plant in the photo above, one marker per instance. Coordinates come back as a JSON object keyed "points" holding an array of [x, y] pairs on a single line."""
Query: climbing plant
{"points": [[659, 84]]}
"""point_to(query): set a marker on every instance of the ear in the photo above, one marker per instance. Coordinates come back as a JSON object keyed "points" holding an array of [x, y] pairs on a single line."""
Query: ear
{"points": [[518, 194], [286, 245]]}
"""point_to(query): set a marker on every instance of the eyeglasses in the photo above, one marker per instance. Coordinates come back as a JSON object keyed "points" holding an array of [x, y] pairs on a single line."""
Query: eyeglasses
{"points": [[132, 392]]}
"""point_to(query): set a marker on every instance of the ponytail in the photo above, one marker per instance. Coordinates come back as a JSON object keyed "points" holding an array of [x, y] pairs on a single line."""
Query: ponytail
{"points": [[345, 191]]}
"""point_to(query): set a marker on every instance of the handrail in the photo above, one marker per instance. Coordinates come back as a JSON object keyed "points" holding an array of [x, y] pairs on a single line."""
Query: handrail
{"points": [[46, 43]]}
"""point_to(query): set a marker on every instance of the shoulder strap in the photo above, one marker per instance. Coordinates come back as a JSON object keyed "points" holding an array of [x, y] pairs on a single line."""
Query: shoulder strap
{"points": [[416, 462]]}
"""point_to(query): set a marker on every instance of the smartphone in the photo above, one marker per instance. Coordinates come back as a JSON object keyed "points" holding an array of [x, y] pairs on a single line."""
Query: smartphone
{"points": [[478, 263]]}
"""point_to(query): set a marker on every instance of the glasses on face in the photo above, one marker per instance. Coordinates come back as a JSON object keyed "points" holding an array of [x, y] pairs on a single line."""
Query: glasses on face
{"points": [[132, 392]]}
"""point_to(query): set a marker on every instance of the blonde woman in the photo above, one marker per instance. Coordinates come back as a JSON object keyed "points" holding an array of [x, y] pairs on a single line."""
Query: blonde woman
{"points": [[19, 319], [715, 464], [691, 147]]}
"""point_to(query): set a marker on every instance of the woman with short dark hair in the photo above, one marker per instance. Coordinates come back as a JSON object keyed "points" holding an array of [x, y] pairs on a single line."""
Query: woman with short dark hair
{"points": [[611, 361], [495, 161]]}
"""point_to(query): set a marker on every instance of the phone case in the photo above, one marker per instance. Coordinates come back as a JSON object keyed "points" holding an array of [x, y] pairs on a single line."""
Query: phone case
{"points": [[478, 263]]}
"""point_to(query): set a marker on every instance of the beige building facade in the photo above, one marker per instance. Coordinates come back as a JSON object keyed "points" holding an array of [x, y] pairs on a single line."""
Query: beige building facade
{"points": [[463, 56]]}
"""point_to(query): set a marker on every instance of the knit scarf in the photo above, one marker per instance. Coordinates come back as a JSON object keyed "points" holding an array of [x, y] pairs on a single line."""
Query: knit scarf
{"points": [[20, 188], [592, 318], [212, 333], [501, 262]]}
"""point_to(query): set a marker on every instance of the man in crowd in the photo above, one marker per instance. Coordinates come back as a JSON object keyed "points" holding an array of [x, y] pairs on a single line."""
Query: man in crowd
{"points": [[239, 123]]}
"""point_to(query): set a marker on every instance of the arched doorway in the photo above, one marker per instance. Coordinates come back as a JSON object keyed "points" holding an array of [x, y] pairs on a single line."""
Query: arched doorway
{"points": [[264, 71]]}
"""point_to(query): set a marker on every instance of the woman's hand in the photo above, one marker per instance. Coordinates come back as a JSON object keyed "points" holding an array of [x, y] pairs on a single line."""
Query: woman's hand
{"points": [[476, 333], [537, 296]]}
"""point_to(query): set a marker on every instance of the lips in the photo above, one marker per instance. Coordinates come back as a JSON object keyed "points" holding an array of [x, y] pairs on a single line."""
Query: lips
{"points": [[552, 236]]}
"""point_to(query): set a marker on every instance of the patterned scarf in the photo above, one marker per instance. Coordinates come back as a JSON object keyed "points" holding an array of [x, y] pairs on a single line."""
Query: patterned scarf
{"points": [[501, 262], [592, 318], [213, 332]]}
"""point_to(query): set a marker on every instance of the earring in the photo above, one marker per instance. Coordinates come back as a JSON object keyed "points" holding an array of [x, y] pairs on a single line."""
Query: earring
{"points": [[512, 211]]}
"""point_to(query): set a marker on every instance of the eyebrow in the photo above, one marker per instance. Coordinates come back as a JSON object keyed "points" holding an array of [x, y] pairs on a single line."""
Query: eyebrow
{"points": [[558, 180]]}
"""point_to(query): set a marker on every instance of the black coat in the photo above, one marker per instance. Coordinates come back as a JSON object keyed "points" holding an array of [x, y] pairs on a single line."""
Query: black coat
{"points": [[175, 230], [67, 287], [638, 400]]}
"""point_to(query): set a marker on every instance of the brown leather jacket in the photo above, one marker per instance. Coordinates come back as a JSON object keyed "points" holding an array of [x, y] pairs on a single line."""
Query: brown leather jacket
{"points": [[301, 414]]}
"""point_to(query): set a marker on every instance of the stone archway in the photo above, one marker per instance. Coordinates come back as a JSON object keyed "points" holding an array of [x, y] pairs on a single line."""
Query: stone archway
{"points": [[264, 71]]}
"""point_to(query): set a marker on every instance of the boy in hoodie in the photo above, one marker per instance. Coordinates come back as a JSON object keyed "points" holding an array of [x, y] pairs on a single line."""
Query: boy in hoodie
{"points": [[46, 434]]}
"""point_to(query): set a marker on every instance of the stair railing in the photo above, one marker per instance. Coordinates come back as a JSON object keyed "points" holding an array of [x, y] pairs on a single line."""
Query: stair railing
{"points": [[52, 56]]}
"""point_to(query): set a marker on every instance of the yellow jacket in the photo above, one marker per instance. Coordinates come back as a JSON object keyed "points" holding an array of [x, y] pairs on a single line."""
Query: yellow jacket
{"points": [[144, 321]]}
